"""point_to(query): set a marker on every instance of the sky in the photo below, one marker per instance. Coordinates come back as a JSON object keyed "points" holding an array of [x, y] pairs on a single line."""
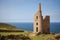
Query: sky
{"points": [[24, 10]]}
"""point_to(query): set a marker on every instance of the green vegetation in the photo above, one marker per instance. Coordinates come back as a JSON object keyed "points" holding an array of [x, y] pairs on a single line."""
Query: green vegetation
{"points": [[44, 37], [4, 26], [39, 37], [14, 33]]}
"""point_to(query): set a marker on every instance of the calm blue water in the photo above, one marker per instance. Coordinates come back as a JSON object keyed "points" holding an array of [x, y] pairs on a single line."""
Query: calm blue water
{"points": [[54, 27]]}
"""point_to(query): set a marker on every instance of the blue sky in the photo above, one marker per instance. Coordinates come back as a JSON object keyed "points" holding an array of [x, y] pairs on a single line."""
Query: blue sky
{"points": [[24, 10]]}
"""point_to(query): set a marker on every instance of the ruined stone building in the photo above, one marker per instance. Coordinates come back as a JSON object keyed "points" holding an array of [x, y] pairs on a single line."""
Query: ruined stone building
{"points": [[41, 25]]}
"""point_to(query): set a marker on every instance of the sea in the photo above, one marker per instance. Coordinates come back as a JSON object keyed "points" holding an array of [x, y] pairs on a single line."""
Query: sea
{"points": [[54, 27]]}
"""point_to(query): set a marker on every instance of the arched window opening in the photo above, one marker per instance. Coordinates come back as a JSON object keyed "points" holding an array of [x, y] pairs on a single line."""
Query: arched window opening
{"points": [[36, 17], [36, 23], [36, 29]]}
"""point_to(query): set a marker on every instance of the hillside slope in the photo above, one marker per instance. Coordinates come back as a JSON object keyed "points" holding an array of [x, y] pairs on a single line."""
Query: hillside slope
{"points": [[5, 26]]}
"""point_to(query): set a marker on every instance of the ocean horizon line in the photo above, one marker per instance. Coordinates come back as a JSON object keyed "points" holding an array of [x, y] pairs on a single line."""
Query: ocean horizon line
{"points": [[25, 22]]}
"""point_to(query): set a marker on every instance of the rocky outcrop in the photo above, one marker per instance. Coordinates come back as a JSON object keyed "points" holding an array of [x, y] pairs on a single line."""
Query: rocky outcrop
{"points": [[57, 36]]}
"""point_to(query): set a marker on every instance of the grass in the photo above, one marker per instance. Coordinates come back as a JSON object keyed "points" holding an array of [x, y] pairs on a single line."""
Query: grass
{"points": [[4, 26], [43, 37], [39, 37], [15, 33]]}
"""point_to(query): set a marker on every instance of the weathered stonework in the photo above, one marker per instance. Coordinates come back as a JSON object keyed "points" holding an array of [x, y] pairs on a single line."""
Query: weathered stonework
{"points": [[41, 25], [46, 24]]}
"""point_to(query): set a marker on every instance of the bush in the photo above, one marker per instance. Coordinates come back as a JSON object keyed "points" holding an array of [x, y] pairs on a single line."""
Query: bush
{"points": [[15, 37]]}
